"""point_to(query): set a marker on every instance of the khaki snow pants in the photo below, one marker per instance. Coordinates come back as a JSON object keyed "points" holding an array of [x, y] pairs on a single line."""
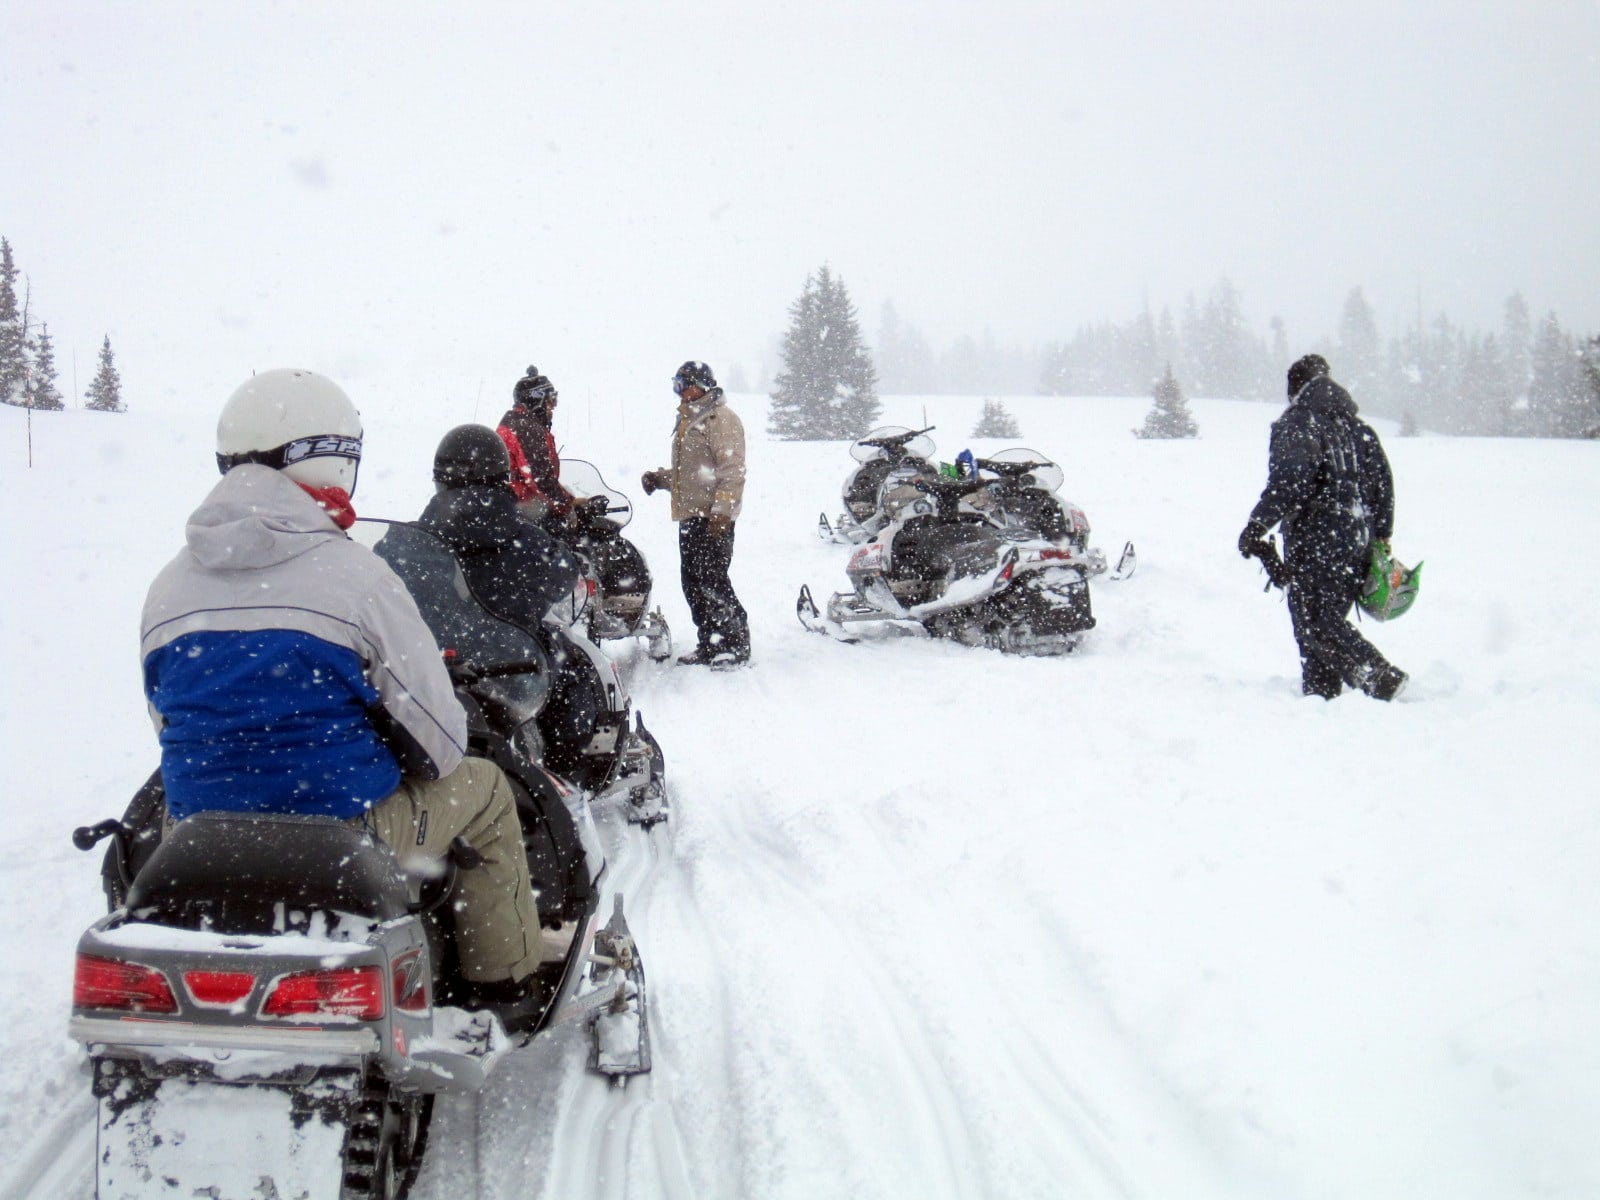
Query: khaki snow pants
{"points": [[497, 925]]}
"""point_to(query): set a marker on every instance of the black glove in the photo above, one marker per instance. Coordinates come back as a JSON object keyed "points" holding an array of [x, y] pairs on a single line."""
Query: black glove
{"points": [[1253, 541], [596, 506], [650, 481]]}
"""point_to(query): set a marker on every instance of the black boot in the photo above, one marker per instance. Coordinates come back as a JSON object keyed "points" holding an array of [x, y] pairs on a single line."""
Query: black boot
{"points": [[1385, 683]]}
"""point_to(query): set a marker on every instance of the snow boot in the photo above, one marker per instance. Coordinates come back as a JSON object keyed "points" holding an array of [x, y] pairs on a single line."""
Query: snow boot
{"points": [[1386, 683]]}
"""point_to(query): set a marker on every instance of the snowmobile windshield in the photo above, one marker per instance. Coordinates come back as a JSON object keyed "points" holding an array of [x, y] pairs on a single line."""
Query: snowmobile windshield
{"points": [[584, 481], [916, 445], [467, 633], [1046, 475]]}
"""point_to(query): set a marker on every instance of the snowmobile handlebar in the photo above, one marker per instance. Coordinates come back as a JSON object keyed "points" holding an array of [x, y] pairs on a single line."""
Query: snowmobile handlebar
{"points": [[87, 837], [898, 441], [1008, 470], [464, 674]]}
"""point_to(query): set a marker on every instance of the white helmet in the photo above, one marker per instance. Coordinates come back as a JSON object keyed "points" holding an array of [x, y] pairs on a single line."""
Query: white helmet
{"points": [[295, 421]]}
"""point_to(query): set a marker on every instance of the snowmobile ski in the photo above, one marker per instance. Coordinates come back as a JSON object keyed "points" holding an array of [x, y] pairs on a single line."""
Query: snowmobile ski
{"points": [[1126, 565], [806, 609]]}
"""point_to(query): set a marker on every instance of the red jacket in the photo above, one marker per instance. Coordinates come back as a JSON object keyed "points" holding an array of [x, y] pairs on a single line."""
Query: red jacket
{"points": [[535, 465]]}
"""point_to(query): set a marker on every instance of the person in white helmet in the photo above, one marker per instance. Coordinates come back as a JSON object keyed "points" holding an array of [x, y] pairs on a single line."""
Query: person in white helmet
{"points": [[288, 670]]}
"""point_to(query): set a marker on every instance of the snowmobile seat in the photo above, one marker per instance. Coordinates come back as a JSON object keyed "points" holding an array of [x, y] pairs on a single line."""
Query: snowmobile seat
{"points": [[240, 873]]}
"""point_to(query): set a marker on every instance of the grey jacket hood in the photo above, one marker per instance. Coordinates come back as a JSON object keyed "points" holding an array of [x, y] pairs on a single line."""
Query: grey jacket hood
{"points": [[256, 517]]}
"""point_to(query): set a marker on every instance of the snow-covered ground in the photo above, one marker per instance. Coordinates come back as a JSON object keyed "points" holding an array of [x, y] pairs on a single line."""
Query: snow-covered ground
{"points": [[933, 922]]}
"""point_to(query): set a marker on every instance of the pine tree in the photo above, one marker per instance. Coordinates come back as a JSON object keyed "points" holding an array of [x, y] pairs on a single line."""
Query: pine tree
{"points": [[1516, 342], [43, 392], [903, 357], [996, 422], [1556, 390], [13, 337], [1169, 417], [1591, 377], [105, 393], [1360, 353], [827, 389]]}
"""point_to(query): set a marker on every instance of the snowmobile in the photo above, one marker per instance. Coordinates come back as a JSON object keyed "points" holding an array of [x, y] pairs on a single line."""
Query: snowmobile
{"points": [[888, 457], [583, 726], [956, 574], [1022, 498], [619, 572], [272, 1004]]}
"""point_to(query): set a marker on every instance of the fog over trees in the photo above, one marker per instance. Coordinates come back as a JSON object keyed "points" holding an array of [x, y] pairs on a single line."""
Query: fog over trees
{"points": [[1524, 378]]}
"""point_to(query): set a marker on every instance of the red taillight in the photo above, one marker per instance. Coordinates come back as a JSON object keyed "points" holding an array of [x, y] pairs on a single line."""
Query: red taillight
{"points": [[218, 987], [127, 987], [351, 992], [410, 988], [1054, 553]]}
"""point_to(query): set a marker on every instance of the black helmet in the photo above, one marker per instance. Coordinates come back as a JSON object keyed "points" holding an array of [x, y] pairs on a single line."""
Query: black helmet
{"points": [[471, 454], [693, 374], [533, 388]]}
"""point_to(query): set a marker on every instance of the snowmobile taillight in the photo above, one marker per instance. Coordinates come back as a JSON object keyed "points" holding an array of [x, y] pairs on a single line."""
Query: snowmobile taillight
{"points": [[125, 986], [410, 988], [357, 992], [219, 988], [1055, 553], [1011, 565]]}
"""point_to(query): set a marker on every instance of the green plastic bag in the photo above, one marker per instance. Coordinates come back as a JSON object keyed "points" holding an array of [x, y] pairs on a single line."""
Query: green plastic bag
{"points": [[1391, 587]]}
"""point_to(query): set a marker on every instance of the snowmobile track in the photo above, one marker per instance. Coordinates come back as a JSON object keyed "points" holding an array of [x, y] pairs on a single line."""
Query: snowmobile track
{"points": [[61, 1163]]}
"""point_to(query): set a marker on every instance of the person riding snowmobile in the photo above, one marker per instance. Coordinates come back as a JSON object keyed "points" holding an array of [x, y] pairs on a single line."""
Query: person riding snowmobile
{"points": [[535, 463], [516, 571], [288, 670]]}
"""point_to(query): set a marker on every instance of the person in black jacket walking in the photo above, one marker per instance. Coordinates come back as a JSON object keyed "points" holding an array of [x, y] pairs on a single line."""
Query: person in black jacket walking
{"points": [[1330, 490]]}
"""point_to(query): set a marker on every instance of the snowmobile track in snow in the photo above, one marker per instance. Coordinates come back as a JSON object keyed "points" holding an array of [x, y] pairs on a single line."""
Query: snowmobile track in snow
{"points": [[61, 1163]]}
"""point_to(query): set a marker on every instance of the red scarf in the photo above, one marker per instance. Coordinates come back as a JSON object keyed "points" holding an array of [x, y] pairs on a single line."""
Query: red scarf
{"points": [[334, 501]]}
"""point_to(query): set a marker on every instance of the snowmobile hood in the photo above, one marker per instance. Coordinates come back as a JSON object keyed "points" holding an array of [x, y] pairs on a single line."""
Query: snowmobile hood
{"points": [[477, 517], [1323, 394], [256, 517]]}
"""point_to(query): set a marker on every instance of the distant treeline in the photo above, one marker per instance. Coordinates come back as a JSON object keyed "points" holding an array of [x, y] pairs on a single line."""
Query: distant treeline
{"points": [[1523, 379]]}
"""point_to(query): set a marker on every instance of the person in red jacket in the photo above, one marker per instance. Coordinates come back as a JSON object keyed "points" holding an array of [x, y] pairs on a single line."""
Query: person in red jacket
{"points": [[535, 465]]}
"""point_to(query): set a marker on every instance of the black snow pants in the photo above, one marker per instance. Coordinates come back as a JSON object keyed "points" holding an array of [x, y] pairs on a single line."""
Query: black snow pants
{"points": [[718, 615], [1332, 653]]}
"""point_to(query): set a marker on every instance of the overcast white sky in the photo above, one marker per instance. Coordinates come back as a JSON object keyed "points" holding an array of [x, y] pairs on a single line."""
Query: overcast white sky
{"points": [[441, 194]]}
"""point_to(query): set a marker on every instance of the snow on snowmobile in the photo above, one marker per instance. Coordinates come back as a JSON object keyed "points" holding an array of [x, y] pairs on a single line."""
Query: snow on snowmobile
{"points": [[272, 1004], [1022, 498], [583, 727], [888, 456], [956, 574], [620, 574]]}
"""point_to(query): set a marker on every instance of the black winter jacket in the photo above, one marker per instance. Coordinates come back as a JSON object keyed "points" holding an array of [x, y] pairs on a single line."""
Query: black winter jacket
{"points": [[515, 569], [1328, 482]]}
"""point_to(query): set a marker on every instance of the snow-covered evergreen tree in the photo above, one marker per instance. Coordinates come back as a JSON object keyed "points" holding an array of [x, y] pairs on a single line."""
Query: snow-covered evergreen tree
{"points": [[1557, 391], [1169, 417], [996, 422], [828, 388], [43, 389], [13, 337], [105, 393], [1516, 344], [905, 361], [1360, 352]]}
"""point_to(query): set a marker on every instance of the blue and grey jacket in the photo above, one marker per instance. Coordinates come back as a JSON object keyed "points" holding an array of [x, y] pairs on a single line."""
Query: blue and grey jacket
{"points": [[287, 668]]}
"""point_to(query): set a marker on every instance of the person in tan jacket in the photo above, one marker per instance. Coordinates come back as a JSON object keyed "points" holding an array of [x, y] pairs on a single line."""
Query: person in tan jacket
{"points": [[706, 481]]}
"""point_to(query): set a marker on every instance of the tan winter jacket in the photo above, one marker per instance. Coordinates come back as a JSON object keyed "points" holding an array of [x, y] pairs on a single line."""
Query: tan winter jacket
{"points": [[707, 474]]}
